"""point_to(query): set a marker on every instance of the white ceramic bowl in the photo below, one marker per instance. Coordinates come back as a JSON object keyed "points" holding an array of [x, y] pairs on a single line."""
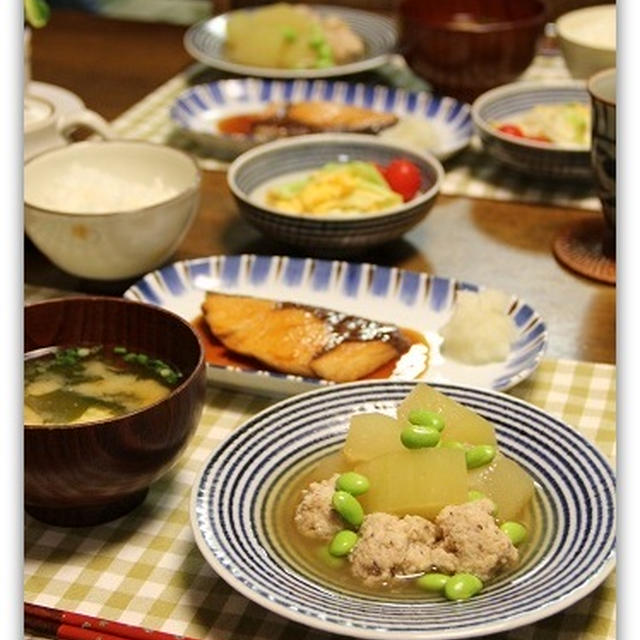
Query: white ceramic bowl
{"points": [[124, 239], [537, 159], [587, 38], [331, 233]]}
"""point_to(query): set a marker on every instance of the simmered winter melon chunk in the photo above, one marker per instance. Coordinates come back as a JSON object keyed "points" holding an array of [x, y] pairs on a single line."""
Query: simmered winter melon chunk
{"points": [[506, 483], [278, 35], [461, 424], [370, 435], [414, 481], [328, 466]]}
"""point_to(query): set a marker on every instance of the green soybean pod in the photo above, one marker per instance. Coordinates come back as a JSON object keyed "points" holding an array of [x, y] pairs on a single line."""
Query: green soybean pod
{"points": [[342, 543], [416, 436], [432, 582], [426, 418], [348, 507], [354, 483], [462, 586], [516, 532], [479, 455]]}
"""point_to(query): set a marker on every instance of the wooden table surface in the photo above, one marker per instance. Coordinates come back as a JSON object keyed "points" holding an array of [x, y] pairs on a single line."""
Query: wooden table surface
{"points": [[112, 64]]}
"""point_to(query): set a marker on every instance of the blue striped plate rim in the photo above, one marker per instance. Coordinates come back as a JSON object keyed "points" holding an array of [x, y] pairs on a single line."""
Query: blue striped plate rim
{"points": [[450, 117], [205, 42], [412, 299], [233, 499]]}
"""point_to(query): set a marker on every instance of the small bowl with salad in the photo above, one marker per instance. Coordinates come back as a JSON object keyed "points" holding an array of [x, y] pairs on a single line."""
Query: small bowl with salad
{"points": [[333, 192], [540, 128]]}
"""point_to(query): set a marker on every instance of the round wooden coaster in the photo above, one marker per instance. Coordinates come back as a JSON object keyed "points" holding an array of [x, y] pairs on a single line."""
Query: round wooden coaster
{"points": [[580, 247]]}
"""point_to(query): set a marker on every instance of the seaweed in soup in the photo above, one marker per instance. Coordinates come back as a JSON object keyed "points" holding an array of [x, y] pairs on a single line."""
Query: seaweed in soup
{"points": [[81, 384]]}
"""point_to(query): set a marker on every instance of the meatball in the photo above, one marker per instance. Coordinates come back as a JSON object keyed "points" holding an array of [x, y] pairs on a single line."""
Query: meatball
{"points": [[391, 547], [470, 533], [314, 516]]}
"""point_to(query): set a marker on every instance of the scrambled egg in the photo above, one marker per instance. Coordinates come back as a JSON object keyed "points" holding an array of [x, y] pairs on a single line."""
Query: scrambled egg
{"points": [[353, 187]]}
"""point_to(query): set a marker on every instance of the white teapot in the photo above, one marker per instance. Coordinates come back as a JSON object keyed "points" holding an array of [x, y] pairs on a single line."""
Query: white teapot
{"points": [[46, 128]]}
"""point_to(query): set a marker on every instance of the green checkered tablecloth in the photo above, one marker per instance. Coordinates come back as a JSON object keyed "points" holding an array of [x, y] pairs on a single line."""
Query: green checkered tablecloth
{"points": [[470, 173], [145, 569]]}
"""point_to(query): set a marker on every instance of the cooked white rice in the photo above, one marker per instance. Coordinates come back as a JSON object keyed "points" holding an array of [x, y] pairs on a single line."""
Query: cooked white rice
{"points": [[90, 190]]}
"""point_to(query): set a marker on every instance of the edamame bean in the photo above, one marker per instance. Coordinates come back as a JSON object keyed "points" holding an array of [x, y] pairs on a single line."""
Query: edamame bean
{"points": [[479, 455], [289, 34], [348, 507], [354, 483], [426, 418], [416, 436], [517, 533], [342, 543], [432, 582], [474, 495], [462, 586], [452, 444], [331, 561]]}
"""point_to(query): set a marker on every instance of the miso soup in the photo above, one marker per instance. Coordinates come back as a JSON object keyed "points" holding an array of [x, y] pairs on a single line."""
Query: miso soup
{"points": [[83, 384]]}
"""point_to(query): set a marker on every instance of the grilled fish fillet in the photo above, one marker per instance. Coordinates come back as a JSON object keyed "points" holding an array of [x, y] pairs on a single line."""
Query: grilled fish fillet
{"points": [[329, 116], [281, 119], [302, 339]]}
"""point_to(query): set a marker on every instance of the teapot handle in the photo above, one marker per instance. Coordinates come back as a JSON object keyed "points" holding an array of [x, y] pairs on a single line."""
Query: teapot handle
{"points": [[90, 119]]}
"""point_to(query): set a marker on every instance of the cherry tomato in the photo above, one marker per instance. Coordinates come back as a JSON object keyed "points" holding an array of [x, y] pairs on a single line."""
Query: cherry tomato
{"points": [[403, 177], [511, 130]]}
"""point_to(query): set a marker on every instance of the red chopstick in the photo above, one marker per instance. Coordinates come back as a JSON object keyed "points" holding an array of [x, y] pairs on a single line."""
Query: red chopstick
{"points": [[67, 625]]}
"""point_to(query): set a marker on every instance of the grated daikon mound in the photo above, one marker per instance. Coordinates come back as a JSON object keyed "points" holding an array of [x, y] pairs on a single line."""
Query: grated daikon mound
{"points": [[479, 330]]}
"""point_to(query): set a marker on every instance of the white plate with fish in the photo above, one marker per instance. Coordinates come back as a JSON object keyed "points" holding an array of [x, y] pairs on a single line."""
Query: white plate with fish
{"points": [[208, 41], [228, 117], [417, 305], [236, 515]]}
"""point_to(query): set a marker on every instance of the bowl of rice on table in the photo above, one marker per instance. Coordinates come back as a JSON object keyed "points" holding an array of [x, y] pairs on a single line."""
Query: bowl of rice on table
{"points": [[110, 210]]}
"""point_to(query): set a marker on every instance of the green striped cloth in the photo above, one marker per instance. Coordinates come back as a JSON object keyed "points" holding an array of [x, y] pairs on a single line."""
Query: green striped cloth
{"points": [[471, 173], [145, 569]]}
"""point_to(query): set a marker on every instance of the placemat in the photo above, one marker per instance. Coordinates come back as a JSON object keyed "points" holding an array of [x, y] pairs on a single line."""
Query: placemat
{"points": [[145, 568], [471, 173]]}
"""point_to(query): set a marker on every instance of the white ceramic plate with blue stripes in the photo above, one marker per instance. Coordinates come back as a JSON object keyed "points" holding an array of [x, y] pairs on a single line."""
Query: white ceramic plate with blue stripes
{"points": [[235, 496], [439, 124], [409, 299], [205, 41]]}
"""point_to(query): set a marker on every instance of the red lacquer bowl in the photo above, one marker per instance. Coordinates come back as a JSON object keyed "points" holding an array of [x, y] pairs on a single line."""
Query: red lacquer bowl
{"points": [[465, 47], [90, 473]]}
